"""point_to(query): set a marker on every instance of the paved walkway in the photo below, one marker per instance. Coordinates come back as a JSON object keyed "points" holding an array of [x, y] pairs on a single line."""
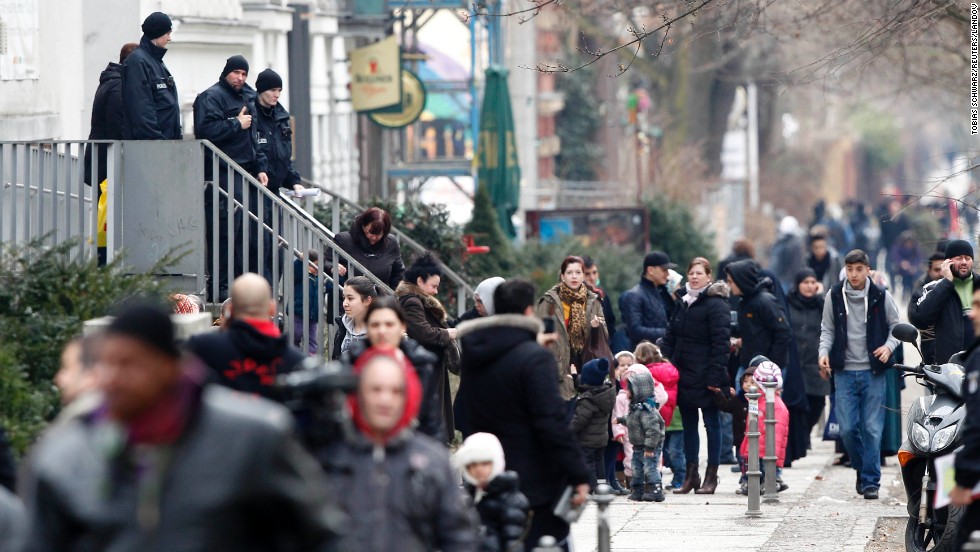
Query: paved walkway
{"points": [[819, 512]]}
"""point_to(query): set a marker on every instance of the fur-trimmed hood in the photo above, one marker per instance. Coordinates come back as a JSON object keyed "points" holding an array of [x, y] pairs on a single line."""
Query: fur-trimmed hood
{"points": [[429, 302], [520, 321], [714, 289], [485, 340]]}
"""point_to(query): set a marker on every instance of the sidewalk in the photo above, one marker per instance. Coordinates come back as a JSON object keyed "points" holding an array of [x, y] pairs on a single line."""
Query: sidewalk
{"points": [[819, 512]]}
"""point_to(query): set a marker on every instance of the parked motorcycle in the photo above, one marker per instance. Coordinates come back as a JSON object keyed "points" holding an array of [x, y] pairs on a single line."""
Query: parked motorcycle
{"points": [[934, 429]]}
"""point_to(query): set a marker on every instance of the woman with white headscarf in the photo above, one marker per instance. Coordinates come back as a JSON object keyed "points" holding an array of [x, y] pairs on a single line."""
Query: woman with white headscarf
{"points": [[484, 307]]}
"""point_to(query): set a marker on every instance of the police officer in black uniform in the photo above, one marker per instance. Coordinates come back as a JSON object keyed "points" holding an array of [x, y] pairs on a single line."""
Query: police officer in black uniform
{"points": [[149, 96]]}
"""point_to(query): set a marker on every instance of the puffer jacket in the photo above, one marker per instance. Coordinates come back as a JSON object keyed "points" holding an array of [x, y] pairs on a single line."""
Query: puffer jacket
{"points": [[151, 110], [762, 324], [697, 343], [664, 373], [646, 310], [503, 513], [409, 484], [940, 308], [646, 425], [782, 431], [275, 139], [549, 306], [592, 409], [107, 120], [216, 113]]}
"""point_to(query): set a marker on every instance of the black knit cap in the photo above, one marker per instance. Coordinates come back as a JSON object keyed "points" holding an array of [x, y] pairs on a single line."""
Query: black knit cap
{"points": [[956, 248], [803, 274], [156, 25], [149, 324], [235, 63], [267, 80]]}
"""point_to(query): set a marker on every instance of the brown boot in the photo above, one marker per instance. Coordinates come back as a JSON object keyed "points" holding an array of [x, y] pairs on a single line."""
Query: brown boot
{"points": [[710, 481], [691, 481]]}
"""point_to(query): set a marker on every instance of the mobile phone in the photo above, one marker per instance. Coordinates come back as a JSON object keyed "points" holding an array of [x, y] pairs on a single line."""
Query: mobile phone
{"points": [[549, 325]]}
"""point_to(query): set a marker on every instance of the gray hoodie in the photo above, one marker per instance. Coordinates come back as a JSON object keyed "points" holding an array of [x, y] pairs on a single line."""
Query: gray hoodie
{"points": [[856, 302]]}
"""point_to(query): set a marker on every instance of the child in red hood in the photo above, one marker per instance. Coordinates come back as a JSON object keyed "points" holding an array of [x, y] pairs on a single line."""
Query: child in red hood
{"points": [[755, 374], [663, 372]]}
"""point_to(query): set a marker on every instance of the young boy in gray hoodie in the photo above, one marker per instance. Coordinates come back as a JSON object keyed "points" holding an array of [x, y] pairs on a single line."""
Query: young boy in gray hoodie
{"points": [[856, 346], [646, 432]]}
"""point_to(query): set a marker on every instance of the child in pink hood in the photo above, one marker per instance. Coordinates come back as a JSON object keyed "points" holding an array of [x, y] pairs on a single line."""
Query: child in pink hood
{"points": [[760, 370], [622, 408]]}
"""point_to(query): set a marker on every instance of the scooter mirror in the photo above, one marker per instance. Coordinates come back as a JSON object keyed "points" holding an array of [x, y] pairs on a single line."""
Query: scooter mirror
{"points": [[905, 332]]}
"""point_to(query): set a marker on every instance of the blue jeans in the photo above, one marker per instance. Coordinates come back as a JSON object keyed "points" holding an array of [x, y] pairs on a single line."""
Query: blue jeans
{"points": [[727, 438], [645, 467], [692, 441], [860, 397], [674, 451]]}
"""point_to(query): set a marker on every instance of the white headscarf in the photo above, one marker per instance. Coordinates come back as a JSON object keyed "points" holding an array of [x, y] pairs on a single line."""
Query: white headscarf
{"points": [[485, 292]]}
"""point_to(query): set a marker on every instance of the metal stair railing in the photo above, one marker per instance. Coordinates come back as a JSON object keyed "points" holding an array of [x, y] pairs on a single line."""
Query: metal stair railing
{"points": [[463, 289], [295, 231]]}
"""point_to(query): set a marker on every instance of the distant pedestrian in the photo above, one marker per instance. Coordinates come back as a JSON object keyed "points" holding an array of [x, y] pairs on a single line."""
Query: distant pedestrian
{"points": [[592, 280], [577, 312], [647, 307], [370, 243], [646, 429], [805, 313], [306, 280], [786, 255], [906, 262], [927, 335], [824, 260], [151, 108], [856, 346], [698, 344], [590, 420], [396, 486], [502, 506], [249, 355], [511, 395]]}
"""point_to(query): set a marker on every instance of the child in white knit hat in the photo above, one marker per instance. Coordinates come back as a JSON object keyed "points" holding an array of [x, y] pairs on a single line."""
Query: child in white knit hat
{"points": [[496, 493]]}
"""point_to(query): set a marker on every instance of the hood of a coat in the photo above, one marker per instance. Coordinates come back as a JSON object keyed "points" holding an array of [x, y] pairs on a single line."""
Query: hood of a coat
{"points": [[714, 289], [640, 383], [485, 340], [113, 71], [430, 303], [745, 274], [603, 395], [413, 393], [255, 344], [480, 447]]}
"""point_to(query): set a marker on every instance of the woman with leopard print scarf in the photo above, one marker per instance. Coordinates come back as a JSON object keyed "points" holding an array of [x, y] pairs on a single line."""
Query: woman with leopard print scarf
{"points": [[576, 309]]}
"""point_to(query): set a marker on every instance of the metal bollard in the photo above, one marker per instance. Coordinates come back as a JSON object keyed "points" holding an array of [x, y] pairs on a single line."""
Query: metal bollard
{"points": [[974, 544], [771, 488], [753, 472], [547, 543], [603, 497]]}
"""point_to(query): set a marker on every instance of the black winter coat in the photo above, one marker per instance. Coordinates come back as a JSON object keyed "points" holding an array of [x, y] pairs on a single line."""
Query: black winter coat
{"points": [[927, 335], [805, 316], [503, 513], [275, 139], [107, 119], [968, 459], [151, 110], [762, 324], [242, 358], [940, 308], [646, 310], [590, 422], [216, 113], [430, 420], [238, 481], [383, 259], [510, 391], [698, 344], [399, 496]]}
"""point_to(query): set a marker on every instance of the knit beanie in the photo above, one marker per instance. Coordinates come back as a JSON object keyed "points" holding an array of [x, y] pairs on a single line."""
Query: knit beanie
{"points": [[148, 324], [156, 25], [594, 372], [803, 274], [267, 80], [235, 63], [766, 371], [956, 248], [479, 447]]}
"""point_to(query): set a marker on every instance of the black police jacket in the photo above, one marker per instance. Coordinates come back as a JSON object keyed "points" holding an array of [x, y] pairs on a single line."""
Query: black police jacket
{"points": [[216, 113], [151, 110], [275, 138]]}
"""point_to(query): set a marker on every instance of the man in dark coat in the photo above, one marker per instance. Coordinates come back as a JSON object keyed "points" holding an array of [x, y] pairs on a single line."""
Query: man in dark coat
{"points": [[968, 459], [647, 306], [162, 463], [762, 326], [223, 115], [509, 393], [251, 352], [945, 303], [151, 109]]}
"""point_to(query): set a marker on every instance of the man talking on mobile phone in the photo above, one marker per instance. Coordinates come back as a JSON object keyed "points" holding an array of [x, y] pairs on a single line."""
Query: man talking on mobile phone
{"points": [[945, 303]]}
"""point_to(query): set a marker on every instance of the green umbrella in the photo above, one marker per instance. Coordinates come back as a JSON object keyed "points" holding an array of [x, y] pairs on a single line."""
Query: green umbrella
{"points": [[496, 155]]}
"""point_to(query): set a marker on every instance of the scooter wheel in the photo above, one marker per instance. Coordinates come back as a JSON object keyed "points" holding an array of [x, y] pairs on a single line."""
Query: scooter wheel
{"points": [[946, 521]]}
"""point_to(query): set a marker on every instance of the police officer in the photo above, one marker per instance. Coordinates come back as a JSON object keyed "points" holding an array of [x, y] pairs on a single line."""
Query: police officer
{"points": [[274, 132], [149, 96]]}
